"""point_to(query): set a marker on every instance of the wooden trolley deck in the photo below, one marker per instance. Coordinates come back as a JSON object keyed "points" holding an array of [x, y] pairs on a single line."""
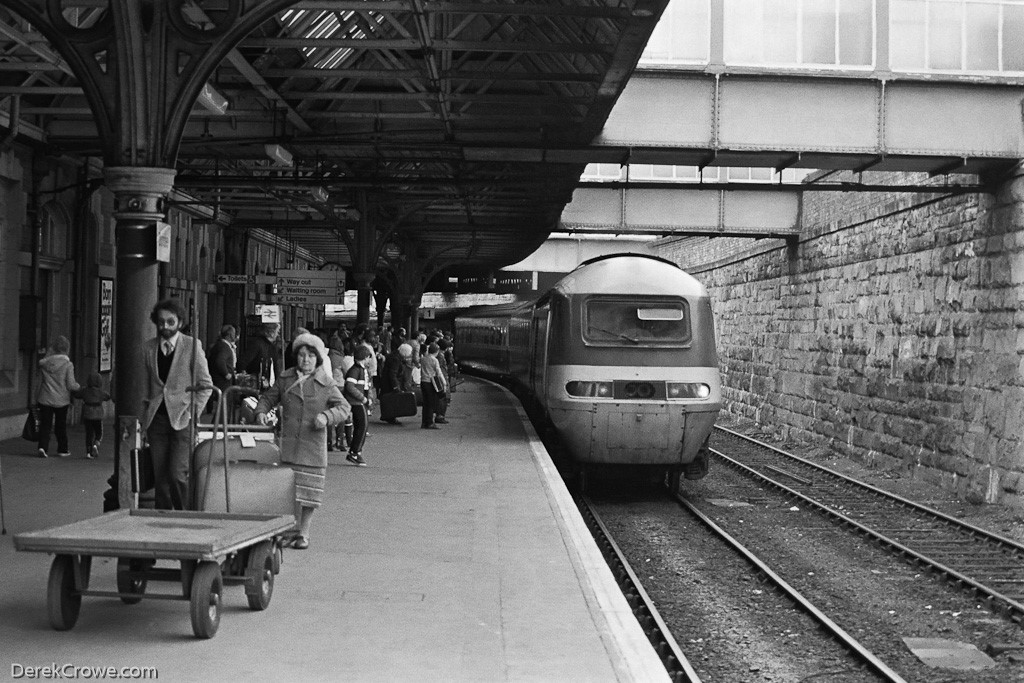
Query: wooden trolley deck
{"points": [[157, 534]]}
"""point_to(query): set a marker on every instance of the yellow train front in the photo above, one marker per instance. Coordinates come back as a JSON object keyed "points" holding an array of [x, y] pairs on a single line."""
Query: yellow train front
{"points": [[619, 354]]}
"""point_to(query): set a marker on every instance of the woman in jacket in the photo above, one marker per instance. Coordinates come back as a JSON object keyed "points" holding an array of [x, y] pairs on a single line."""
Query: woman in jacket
{"points": [[310, 403], [53, 396]]}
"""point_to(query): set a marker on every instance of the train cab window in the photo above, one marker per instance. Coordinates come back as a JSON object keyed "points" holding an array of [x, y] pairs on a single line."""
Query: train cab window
{"points": [[630, 322]]}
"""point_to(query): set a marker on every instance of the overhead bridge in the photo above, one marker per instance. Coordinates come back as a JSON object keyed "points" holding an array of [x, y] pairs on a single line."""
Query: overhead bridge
{"points": [[758, 117]]}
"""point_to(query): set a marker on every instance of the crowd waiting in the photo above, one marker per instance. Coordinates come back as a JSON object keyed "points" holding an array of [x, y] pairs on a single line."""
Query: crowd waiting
{"points": [[321, 387]]}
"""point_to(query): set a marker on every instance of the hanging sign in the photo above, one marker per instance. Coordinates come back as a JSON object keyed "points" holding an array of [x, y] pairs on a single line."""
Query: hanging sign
{"points": [[163, 241], [106, 335], [269, 313]]}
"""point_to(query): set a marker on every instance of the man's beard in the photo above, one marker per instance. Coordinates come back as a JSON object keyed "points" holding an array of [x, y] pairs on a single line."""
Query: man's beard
{"points": [[167, 333]]}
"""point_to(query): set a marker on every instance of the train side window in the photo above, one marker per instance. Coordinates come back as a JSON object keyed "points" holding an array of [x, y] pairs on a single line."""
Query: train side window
{"points": [[630, 321]]}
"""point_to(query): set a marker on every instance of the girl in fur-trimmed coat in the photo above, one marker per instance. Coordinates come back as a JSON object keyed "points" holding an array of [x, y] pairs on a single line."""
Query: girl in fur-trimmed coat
{"points": [[310, 403]]}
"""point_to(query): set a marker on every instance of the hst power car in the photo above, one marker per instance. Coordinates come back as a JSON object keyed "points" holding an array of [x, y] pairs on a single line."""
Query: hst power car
{"points": [[619, 356]]}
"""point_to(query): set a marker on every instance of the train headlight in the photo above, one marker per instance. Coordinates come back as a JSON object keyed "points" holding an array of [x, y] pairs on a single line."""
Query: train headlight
{"points": [[688, 390], [591, 389]]}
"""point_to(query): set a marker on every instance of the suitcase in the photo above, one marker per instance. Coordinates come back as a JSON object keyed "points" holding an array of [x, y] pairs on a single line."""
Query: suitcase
{"points": [[260, 449], [255, 488], [258, 484], [397, 404]]}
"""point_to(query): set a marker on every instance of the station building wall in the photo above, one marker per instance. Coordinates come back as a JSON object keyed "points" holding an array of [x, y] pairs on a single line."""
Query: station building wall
{"points": [[893, 332], [57, 245]]}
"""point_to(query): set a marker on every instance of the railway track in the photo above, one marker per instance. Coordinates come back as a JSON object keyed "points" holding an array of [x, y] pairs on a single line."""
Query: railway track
{"points": [[675, 659], [990, 565], [678, 667]]}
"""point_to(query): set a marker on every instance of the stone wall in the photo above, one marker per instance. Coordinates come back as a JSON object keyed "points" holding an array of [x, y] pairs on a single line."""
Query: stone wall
{"points": [[893, 331]]}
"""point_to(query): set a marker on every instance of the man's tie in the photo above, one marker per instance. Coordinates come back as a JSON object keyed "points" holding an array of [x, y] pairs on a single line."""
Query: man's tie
{"points": [[167, 348]]}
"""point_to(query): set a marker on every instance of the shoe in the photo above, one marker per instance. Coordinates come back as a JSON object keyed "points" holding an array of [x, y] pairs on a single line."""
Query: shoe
{"points": [[42, 453], [430, 426], [300, 543], [356, 459], [440, 421], [63, 455], [94, 452]]}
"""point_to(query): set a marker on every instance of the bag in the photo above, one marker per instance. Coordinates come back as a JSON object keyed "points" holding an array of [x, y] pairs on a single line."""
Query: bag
{"points": [[30, 432], [397, 404]]}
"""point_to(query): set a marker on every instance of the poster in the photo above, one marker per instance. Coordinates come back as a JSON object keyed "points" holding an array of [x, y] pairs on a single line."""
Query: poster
{"points": [[106, 336]]}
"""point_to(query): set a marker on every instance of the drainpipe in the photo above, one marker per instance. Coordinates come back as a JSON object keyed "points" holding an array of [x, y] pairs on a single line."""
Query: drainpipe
{"points": [[13, 124], [33, 218]]}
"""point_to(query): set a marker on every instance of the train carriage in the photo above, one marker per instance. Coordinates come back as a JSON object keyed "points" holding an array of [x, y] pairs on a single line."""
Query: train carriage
{"points": [[619, 354]]}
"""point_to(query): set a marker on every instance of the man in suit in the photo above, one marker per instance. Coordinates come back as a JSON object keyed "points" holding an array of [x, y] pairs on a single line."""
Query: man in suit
{"points": [[173, 363]]}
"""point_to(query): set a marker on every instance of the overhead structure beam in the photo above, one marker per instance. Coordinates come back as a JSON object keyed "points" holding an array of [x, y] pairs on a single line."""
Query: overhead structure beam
{"points": [[637, 211], [760, 119]]}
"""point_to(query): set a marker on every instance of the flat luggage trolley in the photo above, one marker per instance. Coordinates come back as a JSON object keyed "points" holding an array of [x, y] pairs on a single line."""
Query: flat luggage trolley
{"points": [[214, 548], [201, 541]]}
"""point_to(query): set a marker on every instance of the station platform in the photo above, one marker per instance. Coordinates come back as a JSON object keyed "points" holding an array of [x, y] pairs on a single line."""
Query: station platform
{"points": [[456, 555]]}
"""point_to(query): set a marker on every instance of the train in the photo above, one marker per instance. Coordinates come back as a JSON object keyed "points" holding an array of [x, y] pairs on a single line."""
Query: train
{"points": [[619, 360]]}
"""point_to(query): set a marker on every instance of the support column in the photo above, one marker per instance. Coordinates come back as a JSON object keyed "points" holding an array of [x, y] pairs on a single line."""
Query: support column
{"points": [[140, 194], [380, 297], [365, 295]]}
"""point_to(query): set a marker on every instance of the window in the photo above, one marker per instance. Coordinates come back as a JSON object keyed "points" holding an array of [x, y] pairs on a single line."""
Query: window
{"points": [[682, 35], [957, 35], [799, 33], [632, 321]]}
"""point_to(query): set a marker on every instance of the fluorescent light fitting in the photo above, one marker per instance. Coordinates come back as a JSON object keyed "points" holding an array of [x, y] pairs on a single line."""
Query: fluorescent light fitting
{"points": [[278, 154], [213, 100]]}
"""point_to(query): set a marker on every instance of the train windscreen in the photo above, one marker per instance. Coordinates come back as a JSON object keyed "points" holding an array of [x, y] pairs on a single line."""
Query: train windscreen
{"points": [[633, 321]]}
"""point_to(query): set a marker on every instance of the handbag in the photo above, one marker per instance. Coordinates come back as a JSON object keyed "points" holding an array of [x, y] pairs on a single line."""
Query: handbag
{"points": [[438, 385], [30, 432]]}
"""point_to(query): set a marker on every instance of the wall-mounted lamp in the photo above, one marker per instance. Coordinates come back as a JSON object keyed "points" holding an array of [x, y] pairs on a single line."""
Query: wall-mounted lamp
{"points": [[278, 154]]}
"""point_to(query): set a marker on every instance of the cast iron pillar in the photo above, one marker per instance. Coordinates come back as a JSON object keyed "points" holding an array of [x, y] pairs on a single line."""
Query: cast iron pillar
{"points": [[364, 291], [140, 194]]}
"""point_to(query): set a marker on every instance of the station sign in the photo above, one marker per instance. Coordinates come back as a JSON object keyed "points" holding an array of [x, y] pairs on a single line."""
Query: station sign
{"points": [[268, 313], [308, 290], [242, 279], [311, 278], [311, 299], [229, 279]]}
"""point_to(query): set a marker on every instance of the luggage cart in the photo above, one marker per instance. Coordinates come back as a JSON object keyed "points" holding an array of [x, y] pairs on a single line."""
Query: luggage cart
{"points": [[212, 549]]}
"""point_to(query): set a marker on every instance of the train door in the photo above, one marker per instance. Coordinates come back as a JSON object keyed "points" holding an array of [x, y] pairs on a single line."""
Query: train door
{"points": [[539, 350]]}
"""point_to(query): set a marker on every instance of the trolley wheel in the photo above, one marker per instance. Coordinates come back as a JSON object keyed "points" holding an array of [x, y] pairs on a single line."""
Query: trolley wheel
{"points": [[130, 588], [259, 576], [188, 570], [207, 591], [278, 556], [63, 601]]}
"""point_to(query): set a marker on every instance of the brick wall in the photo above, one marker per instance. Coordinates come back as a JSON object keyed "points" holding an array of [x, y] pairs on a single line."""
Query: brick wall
{"points": [[893, 331]]}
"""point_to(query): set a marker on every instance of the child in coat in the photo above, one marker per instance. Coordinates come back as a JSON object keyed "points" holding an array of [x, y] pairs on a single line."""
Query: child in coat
{"points": [[93, 396]]}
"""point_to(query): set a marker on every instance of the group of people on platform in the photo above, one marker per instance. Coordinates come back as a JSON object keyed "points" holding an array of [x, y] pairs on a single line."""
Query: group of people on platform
{"points": [[322, 387]]}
